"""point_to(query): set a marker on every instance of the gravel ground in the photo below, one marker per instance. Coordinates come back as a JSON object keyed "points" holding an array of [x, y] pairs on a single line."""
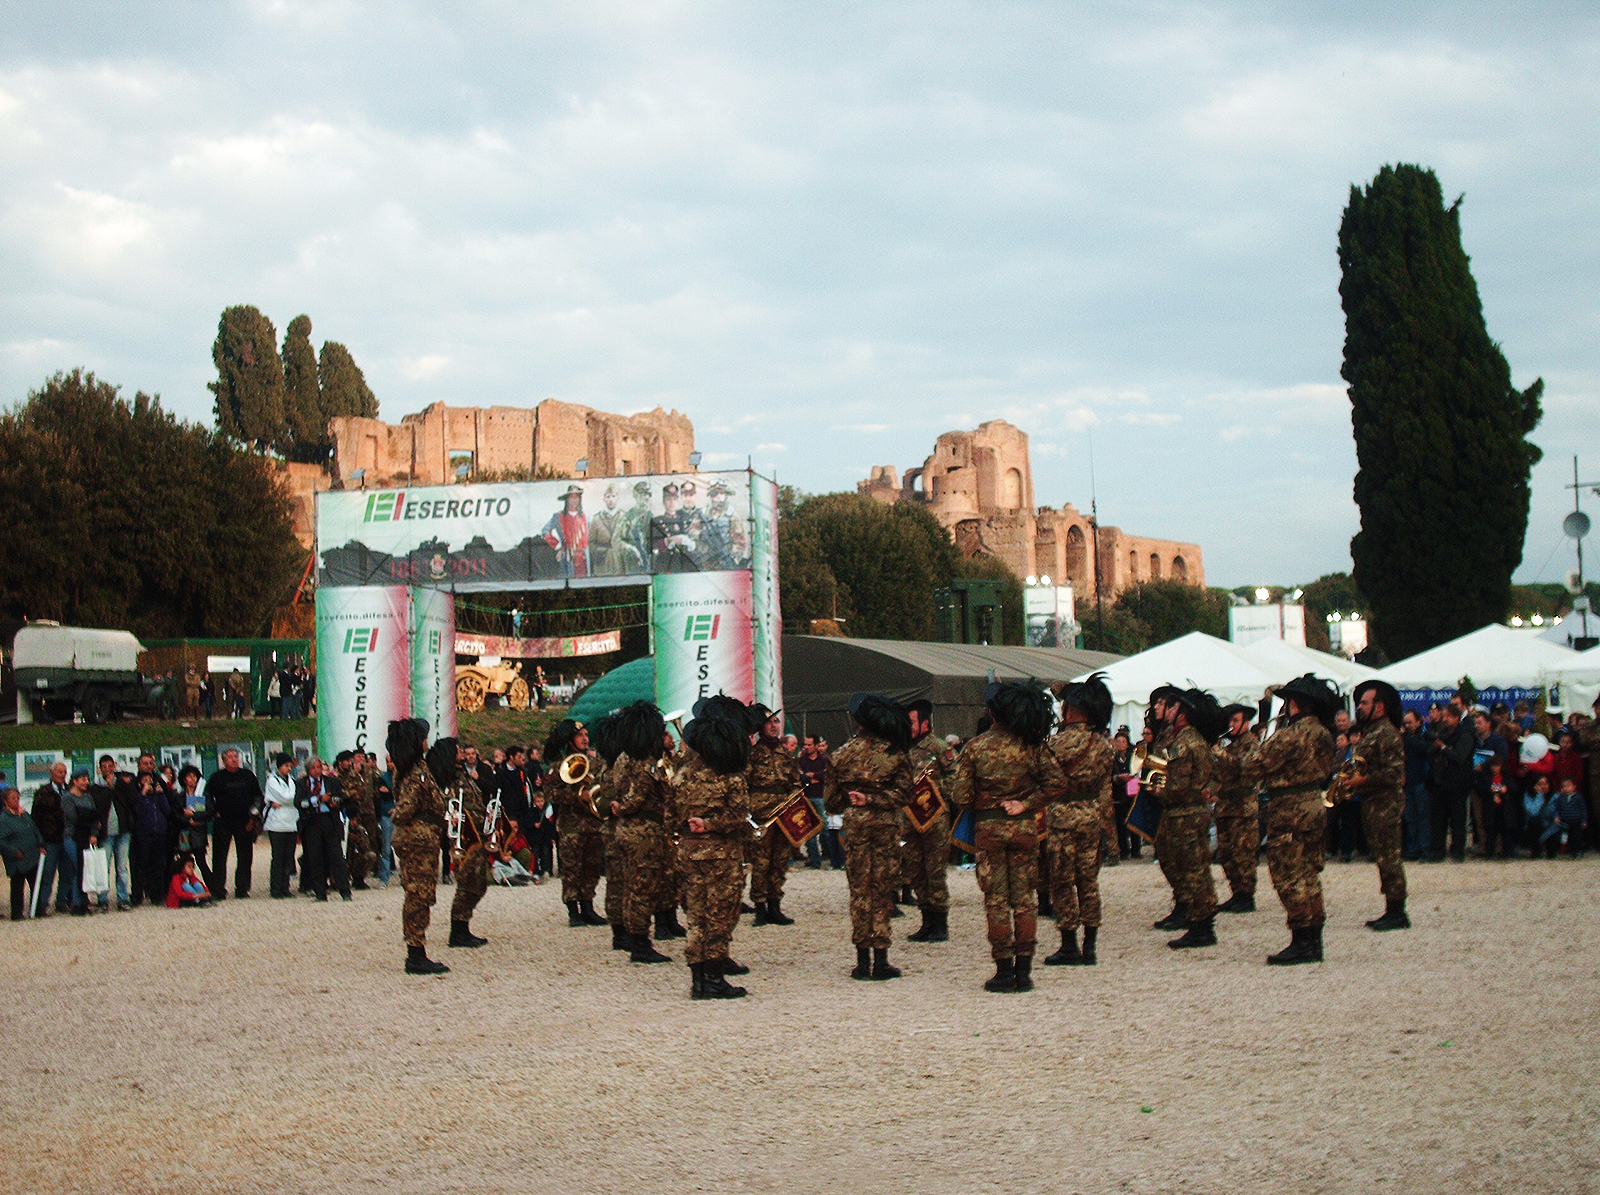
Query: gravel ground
{"points": [[275, 1046]]}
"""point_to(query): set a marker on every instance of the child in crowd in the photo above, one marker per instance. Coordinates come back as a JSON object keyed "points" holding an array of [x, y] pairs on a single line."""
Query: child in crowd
{"points": [[187, 891], [1571, 818]]}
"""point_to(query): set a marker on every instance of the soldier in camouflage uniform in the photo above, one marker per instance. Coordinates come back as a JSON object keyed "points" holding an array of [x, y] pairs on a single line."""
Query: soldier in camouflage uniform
{"points": [[640, 800], [471, 859], [1294, 765], [1072, 821], [1005, 775], [1237, 813], [773, 779], [361, 851], [870, 783], [581, 846], [710, 807], [419, 826], [1183, 839], [925, 858], [1380, 781]]}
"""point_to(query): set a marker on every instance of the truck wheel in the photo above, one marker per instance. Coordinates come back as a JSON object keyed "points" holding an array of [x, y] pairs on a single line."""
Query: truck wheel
{"points": [[96, 707]]}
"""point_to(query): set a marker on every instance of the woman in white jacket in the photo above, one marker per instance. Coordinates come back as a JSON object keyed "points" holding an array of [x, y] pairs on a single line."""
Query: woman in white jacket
{"points": [[280, 824]]}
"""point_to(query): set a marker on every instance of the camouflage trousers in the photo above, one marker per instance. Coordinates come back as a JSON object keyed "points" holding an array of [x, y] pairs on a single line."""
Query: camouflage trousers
{"points": [[472, 881], [872, 868], [1183, 846], [924, 860], [1008, 874], [1380, 821], [582, 854], [1238, 845], [769, 865], [615, 892], [360, 855], [712, 885], [1296, 840], [1073, 846], [417, 847], [641, 866]]}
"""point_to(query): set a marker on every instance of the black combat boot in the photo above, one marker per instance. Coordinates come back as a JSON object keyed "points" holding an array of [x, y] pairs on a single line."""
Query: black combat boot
{"points": [[1173, 920], [1305, 946], [1004, 978], [729, 967], [1394, 917], [418, 962], [880, 965], [641, 950], [1023, 974], [863, 964], [667, 926], [1068, 955], [1239, 902], [586, 911], [574, 917], [1090, 933], [619, 938], [763, 914], [461, 935], [1199, 933], [775, 913], [697, 981], [718, 988]]}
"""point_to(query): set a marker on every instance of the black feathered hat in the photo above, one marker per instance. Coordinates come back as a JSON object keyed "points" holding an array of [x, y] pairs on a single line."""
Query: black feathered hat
{"points": [[1021, 709], [603, 738], [406, 741], [441, 759], [1092, 696], [883, 718], [721, 742], [1203, 713], [1383, 691], [1312, 693], [639, 731], [559, 745]]}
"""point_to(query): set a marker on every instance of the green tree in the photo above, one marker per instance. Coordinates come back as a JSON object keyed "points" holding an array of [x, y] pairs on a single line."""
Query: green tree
{"points": [[1441, 433], [302, 394], [115, 514], [344, 387], [249, 386]]}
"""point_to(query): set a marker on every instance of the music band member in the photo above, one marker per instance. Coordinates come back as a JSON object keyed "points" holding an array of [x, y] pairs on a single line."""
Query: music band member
{"points": [[1294, 764], [773, 779], [1379, 777], [1005, 775], [870, 783], [1236, 811], [1073, 820]]}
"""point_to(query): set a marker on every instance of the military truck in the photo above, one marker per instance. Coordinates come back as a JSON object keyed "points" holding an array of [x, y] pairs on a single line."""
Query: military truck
{"points": [[61, 671]]}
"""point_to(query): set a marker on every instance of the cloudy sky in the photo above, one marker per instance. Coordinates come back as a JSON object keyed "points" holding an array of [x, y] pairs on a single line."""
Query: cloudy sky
{"points": [[827, 232]]}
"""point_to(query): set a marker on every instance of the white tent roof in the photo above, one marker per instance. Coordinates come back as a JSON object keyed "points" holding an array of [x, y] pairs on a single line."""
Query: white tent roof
{"points": [[1494, 656], [1288, 660]]}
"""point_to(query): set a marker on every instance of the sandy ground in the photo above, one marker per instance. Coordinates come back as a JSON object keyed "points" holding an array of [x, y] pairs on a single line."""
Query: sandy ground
{"points": [[273, 1046]]}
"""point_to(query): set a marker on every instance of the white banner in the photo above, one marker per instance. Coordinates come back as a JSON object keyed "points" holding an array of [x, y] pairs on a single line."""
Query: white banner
{"points": [[433, 660], [363, 667]]}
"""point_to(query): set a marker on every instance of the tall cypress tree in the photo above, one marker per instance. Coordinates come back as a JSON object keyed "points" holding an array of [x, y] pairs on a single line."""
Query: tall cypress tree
{"points": [[308, 427], [249, 385], [344, 387], [1441, 433]]}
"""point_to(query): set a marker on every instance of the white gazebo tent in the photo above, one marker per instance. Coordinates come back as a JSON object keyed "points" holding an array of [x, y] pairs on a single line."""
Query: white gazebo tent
{"points": [[1194, 660]]}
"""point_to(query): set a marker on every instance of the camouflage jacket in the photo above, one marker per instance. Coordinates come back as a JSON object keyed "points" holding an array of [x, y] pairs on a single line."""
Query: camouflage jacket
{"points": [[866, 765], [571, 801], [1085, 757], [1384, 754], [1188, 771], [418, 801], [1227, 779], [722, 802], [636, 790], [997, 767], [1299, 755]]}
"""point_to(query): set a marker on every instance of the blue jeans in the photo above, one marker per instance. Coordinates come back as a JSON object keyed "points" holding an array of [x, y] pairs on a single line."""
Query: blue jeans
{"points": [[814, 843], [1418, 823], [385, 845], [117, 854]]}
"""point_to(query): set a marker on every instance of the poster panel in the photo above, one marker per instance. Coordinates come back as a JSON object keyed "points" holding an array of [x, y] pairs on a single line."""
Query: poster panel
{"points": [[433, 660], [764, 610], [363, 666], [533, 534], [702, 638]]}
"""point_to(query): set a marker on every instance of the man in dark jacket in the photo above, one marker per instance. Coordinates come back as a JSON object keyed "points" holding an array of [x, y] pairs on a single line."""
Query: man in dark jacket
{"points": [[1452, 775], [320, 801], [235, 797]]}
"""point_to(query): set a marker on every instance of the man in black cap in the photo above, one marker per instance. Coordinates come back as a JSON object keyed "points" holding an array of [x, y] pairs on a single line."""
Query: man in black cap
{"points": [[1294, 764], [1183, 839], [1378, 777], [773, 779], [1236, 811]]}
